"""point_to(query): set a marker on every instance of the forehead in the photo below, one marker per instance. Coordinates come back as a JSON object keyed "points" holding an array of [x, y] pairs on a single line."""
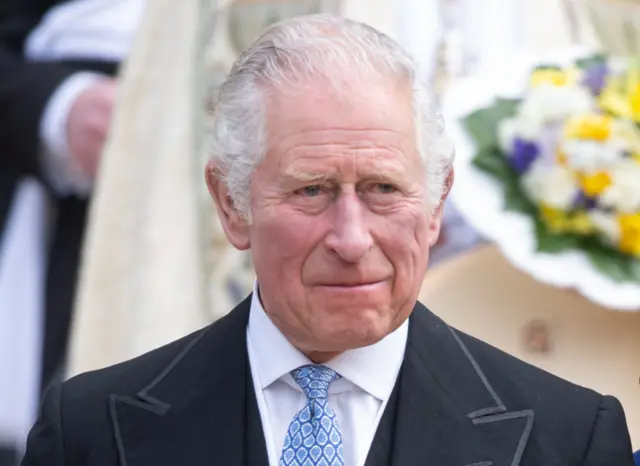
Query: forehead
{"points": [[316, 124]]}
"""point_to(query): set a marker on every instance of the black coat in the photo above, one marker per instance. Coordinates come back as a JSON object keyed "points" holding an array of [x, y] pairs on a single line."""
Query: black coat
{"points": [[457, 402]]}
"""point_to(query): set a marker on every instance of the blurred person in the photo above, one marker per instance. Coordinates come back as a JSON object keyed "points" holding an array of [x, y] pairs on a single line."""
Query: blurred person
{"points": [[58, 61], [329, 165]]}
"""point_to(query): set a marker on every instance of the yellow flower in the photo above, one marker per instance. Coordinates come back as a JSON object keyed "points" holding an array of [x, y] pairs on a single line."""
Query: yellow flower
{"points": [[589, 126], [559, 221], [594, 184], [555, 219], [582, 224], [634, 100], [621, 95], [561, 158], [630, 233], [553, 77]]}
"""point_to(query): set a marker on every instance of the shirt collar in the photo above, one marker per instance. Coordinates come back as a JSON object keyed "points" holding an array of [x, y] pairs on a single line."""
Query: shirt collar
{"points": [[373, 368]]}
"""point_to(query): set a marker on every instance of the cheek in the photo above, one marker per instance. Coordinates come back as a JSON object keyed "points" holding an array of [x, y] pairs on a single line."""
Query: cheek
{"points": [[279, 247], [407, 232], [404, 239]]}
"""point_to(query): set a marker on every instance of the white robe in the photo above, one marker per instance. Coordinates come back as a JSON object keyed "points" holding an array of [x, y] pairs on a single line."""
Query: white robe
{"points": [[143, 278]]}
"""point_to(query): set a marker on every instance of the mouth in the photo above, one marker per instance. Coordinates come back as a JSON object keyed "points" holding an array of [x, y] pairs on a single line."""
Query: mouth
{"points": [[355, 286]]}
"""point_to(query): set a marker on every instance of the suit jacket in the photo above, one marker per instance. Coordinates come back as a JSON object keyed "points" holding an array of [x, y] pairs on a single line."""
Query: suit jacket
{"points": [[457, 402], [25, 89]]}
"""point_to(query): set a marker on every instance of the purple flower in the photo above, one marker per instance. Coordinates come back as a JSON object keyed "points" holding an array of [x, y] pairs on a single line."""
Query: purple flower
{"points": [[523, 154], [548, 143], [582, 201], [595, 78]]}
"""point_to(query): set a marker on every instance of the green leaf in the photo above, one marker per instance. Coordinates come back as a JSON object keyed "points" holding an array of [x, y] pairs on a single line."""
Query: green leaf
{"points": [[610, 262], [551, 242], [616, 266], [543, 67], [593, 60], [634, 270], [493, 162], [482, 124], [517, 201]]}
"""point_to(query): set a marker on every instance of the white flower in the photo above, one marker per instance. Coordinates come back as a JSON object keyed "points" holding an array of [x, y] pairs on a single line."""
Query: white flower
{"points": [[591, 156], [618, 65], [548, 103], [511, 128], [555, 186], [625, 135], [606, 224], [623, 195]]}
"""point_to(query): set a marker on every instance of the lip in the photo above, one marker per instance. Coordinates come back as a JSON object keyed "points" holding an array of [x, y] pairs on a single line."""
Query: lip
{"points": [[352, 286]]}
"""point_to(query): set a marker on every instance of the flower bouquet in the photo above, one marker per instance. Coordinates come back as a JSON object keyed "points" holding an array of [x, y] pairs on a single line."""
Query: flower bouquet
{"points": [[566, 154]]}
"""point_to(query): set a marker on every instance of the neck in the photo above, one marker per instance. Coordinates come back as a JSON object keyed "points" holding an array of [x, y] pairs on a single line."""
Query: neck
{"points": [[316, 357], [320, 357]]}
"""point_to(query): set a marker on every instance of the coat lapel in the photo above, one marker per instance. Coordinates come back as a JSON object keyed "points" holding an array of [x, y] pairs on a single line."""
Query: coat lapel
{"points": [[448, 412], [201, 409], [255, 443], [381, 450], [194, 412]]}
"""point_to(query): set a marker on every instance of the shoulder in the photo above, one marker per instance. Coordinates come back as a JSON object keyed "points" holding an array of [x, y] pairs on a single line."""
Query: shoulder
{"points": [[86, 401], [76, 416], [192, 353], [129, 377], [568, 418], [506, 375], [501, 367]]}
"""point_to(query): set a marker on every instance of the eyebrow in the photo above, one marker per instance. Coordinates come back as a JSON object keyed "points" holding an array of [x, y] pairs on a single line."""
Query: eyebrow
{"points": [[385, 171], [298, 177], [305, 176]]}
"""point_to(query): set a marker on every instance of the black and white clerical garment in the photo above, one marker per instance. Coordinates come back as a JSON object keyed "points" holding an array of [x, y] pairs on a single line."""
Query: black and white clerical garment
{"points": [[67, 31]]}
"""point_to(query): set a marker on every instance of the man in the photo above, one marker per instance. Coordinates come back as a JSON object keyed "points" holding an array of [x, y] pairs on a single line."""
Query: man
{"points": [[57, 91], [328, 164]]}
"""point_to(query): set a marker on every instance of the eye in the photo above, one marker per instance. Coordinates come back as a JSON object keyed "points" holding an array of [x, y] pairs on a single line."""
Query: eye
{"points": [[384, 188], [310, 191]]}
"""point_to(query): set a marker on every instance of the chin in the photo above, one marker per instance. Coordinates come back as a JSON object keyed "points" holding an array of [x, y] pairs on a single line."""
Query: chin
{"points": [[356, 329]]}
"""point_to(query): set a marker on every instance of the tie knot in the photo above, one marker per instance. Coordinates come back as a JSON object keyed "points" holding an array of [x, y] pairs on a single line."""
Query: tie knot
{"points": [[315, 380]]}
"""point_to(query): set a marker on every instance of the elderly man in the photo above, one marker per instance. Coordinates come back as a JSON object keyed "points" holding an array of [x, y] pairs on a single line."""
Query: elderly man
{"points": [[329, 165]]}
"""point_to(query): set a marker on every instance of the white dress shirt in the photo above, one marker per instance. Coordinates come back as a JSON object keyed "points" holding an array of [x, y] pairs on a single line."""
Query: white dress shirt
{"points": [[358, 398]]}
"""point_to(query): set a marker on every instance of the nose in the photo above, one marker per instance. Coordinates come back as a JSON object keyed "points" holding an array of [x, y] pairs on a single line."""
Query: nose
{"points": [[350, 237]]}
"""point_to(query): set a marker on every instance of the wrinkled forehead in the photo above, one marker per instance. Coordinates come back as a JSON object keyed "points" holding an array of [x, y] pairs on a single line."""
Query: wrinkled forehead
{"points": [[320, 132], [377, 109]]}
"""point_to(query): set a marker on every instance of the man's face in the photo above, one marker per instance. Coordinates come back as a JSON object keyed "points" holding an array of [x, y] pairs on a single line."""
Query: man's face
{"points": [[340, 230]]}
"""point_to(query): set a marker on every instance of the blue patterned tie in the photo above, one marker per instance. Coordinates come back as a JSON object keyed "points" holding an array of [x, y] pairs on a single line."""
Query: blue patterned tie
{"points": [[313, 437]]}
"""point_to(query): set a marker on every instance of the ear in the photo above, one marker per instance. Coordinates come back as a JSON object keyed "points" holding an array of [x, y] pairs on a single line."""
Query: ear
{"points": [[235, 225], [435, 222]]}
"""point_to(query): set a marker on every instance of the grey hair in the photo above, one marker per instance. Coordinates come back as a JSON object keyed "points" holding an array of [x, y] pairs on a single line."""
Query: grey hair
{"points": [[310, 46]]}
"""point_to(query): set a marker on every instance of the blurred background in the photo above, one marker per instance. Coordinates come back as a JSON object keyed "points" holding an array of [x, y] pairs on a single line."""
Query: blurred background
{"points": [[109, 244]]}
